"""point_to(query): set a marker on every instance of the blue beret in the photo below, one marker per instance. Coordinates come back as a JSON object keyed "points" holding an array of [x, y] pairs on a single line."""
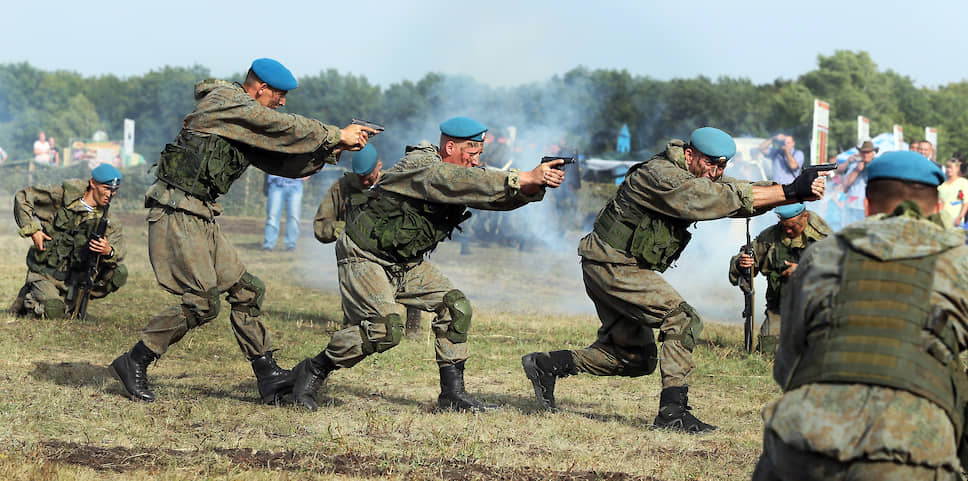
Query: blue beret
{"points": [[274, 74], [364, 161], [790, 210], [106, 174], [715, 143], [905, 165], [463, 128]]}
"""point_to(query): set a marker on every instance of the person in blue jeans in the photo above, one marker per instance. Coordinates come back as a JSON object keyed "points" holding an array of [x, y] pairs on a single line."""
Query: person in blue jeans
{"points": [[282, 190]]}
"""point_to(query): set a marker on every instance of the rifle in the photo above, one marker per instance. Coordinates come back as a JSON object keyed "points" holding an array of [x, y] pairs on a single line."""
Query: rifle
{"points": [[567, 160], [746, 285], [375, 126], [83, 278]]}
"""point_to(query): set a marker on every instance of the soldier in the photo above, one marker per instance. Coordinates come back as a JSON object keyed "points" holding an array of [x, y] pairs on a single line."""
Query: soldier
{"points": [[60, 219], [330, 217], [416, 204], [776, 252], [874, 319], [231, 127], [639, 234]]}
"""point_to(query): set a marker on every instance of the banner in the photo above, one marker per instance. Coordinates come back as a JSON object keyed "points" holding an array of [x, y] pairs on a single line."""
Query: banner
{"points": [[95, 153], [128, 144], [898, 137], [863, 129], [821, 126]]}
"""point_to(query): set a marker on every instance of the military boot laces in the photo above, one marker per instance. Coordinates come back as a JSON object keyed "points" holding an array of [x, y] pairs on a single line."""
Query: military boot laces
{"points": [[453, 397], [674, 413], [538, 367], [274, 382], [131, 368], [309, 379]]}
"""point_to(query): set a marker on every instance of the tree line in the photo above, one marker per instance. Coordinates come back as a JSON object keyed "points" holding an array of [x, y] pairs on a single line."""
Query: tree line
{"points": [[583, 107]]}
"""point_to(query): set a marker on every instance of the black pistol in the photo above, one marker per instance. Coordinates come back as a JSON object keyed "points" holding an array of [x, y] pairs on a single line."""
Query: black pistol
{"points": [[375, 126], [567, 160]]}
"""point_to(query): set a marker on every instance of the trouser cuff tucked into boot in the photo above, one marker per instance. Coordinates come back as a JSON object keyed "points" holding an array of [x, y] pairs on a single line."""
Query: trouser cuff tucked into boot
{"points": [[452, 393], [674, 412]]}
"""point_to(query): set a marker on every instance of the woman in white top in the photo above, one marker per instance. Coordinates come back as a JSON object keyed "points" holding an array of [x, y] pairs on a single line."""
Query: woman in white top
{"points": [[952, 194]]}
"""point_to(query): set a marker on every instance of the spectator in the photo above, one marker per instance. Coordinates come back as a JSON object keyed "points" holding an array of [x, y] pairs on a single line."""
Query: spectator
{"points": [[54, 153], [855, 181], [42, 149], [952, 193], [926, 148], [913, 146], [282, 190], [787, 160]]}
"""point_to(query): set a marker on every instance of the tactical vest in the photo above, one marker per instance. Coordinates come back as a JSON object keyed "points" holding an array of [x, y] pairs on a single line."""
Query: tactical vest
{"points": [[200, 164], [877, 335], [654, 239], [775, 279], [69, 234], [400, 228]]}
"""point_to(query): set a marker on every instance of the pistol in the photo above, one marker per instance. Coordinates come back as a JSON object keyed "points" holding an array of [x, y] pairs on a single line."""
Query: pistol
{"points": [[567, 160], [819, 168], [373, 125]]}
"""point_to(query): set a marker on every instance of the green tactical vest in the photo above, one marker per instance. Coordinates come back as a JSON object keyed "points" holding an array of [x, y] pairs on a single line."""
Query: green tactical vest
{"points": [[400, 228], [655, 240], [875, 336], [69, 233], [200, 164]]}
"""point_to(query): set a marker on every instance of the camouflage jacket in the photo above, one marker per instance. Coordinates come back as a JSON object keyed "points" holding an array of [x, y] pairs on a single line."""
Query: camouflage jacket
{"points": [[857, 421], [282, 144], [767, 249], [35, 208], [330, 217], [664, 185]]}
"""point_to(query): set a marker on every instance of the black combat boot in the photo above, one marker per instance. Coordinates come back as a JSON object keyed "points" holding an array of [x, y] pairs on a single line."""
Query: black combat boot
{"points": [[274, 381], [543, 369], [674, 412], [452, 393], [308, 377], [131, 368]]}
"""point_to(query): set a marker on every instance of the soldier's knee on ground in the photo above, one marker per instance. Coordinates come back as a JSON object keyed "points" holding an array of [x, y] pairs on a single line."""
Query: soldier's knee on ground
{"points": [[247, 295], [54, 308], [460, 316], [393, 326], [200, 307], [691, 328]]}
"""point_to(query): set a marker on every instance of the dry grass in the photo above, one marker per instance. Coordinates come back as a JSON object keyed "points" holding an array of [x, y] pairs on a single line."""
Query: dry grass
{"points": [[62, 415]]}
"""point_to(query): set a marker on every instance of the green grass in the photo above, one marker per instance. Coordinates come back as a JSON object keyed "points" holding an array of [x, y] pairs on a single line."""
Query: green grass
{"points": [[62, 415]]}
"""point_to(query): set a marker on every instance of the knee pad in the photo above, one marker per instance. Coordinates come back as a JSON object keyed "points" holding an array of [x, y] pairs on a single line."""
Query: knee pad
{"points": [[460, 316], [249, 305], [393, 324], [196, 316], [54, 308], [111, 281], [690, 332]]}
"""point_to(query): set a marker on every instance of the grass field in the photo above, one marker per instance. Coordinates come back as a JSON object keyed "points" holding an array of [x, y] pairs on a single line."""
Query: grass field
{"points": [[62, 415]]}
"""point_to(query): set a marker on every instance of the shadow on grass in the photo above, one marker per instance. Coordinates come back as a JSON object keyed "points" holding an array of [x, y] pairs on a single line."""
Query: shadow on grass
{"points": [[72, 374]]}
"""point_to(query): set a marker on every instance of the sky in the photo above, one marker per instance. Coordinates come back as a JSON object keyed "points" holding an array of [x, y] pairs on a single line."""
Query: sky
{"points": [[501, 43]]}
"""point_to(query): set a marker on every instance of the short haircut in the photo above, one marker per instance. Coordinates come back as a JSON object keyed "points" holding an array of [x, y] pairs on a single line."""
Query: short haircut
{"points": [[444, 138], [884, 195], [251, 78]]}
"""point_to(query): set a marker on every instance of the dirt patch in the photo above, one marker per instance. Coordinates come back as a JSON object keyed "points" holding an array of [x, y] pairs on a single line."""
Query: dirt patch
{"points": [[120, 459]]}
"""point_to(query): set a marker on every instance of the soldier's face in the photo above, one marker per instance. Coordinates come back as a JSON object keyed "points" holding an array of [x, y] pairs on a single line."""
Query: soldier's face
{"points": [[270, 97], [701, 165], [102, 193], [794, 226], [369, 179], [465, 154]]}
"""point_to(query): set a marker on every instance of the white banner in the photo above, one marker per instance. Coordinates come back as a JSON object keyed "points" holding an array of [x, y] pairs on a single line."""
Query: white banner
{"points": [[821, 126], [898, 137], [863, 129], [127, 146]]}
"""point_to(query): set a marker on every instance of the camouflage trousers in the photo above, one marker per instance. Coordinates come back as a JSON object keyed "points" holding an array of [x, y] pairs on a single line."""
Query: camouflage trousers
{"points": [[373, 289], [769, 332], [782, 462], [630, 302], [192, 259], [45, 296]]}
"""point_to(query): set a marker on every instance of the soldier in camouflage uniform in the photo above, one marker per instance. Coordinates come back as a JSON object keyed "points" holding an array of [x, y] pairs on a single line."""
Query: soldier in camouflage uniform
{"points": [[776, 252], [638, 235], [330, 217], [416, 204], [874, 319], [231, 127], [60, 220]]}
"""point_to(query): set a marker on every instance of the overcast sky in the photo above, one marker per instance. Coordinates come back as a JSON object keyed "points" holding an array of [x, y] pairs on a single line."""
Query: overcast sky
{"points": [[502, 43]]}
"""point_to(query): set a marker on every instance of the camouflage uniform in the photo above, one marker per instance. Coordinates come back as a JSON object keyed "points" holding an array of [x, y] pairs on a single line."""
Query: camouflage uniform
{"points": [[376, 285], [845, 430], [330, 217], [190, 256], [60, 213], [770, 249]]}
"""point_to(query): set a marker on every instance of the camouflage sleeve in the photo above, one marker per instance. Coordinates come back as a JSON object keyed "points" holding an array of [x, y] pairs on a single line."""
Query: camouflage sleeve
{"points": [[759, 253], [34, 207], [951, 283], [662, 187], [116, 239], [329, 221], [444, 183]]}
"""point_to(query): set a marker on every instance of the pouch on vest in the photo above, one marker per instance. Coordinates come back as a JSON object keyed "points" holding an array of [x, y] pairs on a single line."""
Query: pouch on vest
{"points": [[658, 242]]}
